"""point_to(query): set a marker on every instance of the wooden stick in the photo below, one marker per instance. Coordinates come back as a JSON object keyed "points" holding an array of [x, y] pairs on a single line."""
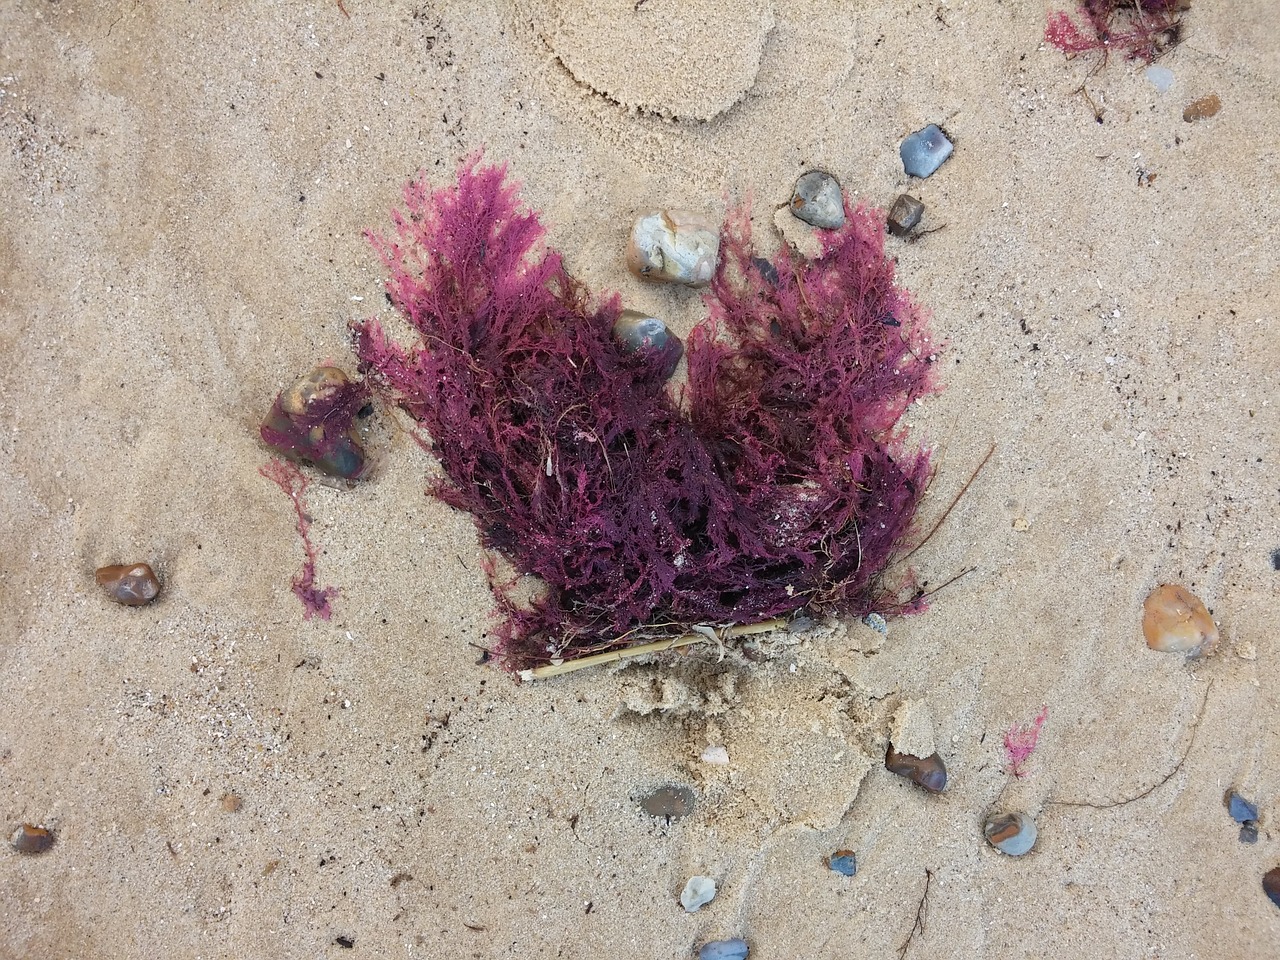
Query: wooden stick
{"points": [[644, 649]]}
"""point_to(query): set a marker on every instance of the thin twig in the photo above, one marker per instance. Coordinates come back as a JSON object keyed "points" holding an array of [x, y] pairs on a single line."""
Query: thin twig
{"points": [[942, 519], [644, 649], [922, 909], [1195, 728]]}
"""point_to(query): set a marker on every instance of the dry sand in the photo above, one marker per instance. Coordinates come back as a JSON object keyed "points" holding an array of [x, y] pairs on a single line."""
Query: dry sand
{"points": [[183, 188]]}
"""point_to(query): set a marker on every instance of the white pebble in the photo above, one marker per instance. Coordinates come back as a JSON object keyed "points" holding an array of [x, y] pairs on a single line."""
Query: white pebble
{"points": [[717, 755], [698, 892]]}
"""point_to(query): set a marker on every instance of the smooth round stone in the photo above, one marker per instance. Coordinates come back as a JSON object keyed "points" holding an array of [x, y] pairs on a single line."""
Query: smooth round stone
{"points": [[697, 893], [133, 584], [928, 772], [296, 424], [672, 801], [904, 215], [321, 385], [31, 839], [843, 862], [726, 950], [674, 246], [1011, 833], [1271, 885], [817, 200], [1175, 621], [924, 151]]}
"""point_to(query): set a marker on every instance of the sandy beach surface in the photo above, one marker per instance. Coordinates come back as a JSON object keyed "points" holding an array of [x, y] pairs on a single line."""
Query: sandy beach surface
{"points": [[183, 190]]}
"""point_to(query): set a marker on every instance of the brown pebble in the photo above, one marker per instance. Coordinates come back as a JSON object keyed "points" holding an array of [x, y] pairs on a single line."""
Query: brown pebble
{"points": [[904, 215], [1202, 109], [928, 772], [1271, 885], [31, 839], [1175, 621], [133, 584], [671, 801], [231, 803]]}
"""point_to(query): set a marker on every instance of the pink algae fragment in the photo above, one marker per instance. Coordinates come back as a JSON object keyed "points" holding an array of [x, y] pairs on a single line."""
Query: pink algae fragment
{"points": [[1020, 742], [316, 601]]}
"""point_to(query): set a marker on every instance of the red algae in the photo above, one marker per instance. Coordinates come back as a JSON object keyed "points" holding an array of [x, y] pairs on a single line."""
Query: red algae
{"points": [[1140, 29], [1020, 742], [316, 601], [777, 479]]}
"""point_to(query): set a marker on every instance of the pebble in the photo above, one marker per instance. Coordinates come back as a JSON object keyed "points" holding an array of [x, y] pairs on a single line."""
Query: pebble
{"points": [[1202, 109], [1240, 809], [641, 334], [1270, 885], [843, 862], [904, 215], [31, 839], [1161, 77], [674, 246], [818, 201], [877, 623], [697, 893], [924, 151], [1249, 832], [1011, 833], [231, 803], [734, 949], [133, 584], [928, 772], [293, 417], [671, 801], [1175, 621], [717, 755]]}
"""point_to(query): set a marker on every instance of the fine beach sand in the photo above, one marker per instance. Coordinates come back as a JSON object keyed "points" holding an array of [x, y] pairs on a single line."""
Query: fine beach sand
{"points": [[183, 190]]}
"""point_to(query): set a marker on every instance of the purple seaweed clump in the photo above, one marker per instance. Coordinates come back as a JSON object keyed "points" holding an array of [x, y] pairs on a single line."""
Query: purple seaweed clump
{"points": [[777, 479], [1140, 29]]}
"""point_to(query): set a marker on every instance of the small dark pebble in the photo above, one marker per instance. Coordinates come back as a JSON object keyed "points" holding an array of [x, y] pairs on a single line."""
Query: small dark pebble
{"points": [[31, 839], [672, 801], [929, 772], [1275, 559], [1241, 810], [843, 862], [346, 942], [770, 274], [644, 336], [904, 215], [724, 950], [1271, 885], [133, 584], [1249, 831]]}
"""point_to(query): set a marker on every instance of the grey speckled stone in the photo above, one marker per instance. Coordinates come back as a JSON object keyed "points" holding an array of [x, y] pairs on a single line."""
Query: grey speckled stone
{"points": [[923, 152], [818, 201]]}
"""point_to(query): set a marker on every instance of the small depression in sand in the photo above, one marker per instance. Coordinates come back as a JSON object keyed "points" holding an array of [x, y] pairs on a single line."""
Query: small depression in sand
{"points": [[694, 65]]}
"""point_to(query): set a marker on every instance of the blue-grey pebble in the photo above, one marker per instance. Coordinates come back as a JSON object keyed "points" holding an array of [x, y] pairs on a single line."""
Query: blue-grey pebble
{"points": [[818, 201], [844, 862], [1241, 810], [724, 950], [1011, 833], [924, 151]]}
